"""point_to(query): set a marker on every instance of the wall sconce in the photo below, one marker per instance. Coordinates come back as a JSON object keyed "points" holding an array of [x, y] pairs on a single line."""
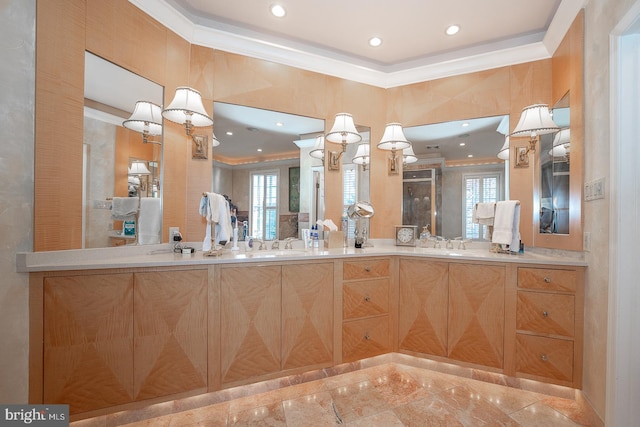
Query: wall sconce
{"points": [[362, 156], [408, 156], [344, 132], [187, 109], [318, 149], [392, 140], [535, 120], [139, 169], [561, 144], [503, 154], [146, 119]]}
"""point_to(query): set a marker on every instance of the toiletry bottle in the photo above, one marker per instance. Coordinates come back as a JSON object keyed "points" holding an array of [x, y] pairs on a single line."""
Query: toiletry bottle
{"points": [[345, 229]]}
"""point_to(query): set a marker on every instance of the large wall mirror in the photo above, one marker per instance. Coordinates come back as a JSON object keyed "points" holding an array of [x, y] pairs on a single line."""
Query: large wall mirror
{"points": [[264, 167], [117, 163], [356, 169], [455, 167]]}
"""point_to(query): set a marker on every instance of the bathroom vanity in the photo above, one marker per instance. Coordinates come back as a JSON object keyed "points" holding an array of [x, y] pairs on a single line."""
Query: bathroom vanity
{"points": [[111, 332]]}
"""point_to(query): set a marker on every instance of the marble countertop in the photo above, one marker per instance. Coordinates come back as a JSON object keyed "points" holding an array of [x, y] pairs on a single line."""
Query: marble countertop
{"points": [[162, 255]]}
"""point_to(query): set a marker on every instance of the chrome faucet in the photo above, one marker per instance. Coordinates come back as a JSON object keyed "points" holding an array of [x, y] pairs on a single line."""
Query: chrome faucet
{"points": [[275, 244], [262, 246], [289, 242]]}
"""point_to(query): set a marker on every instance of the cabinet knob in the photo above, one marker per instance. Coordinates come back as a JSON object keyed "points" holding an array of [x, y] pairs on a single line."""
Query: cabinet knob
{"points": [[545, 313], [544, 358], [367, 298], [547, 279], [367, 269], [367, 336]]}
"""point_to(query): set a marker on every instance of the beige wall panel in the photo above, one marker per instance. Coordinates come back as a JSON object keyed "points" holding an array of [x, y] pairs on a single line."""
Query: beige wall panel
{"points": [[58, 153]]}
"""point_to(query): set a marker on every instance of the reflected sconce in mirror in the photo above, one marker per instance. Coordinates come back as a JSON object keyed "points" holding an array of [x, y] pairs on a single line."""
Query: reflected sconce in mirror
{"points": [[535, 121], [215, 141], [318, 149], [393, 140], [139, 169], [187, 109], [344, 132], [146, 119], [561, 144], [362, 156], [408, 156], [503, 154]]}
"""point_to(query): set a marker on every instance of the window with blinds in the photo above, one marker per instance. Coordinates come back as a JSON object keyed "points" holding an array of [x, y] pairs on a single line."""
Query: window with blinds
{"points": [[264, 205], [477, 188]]}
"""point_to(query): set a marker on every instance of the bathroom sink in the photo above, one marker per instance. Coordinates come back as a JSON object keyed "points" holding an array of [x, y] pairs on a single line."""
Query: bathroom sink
{"points": [[274, 253]]}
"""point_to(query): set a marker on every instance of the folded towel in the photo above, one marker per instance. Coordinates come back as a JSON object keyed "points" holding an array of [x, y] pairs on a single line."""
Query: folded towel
{"points": [[150, 221], [506, 229], [484, 213], [124, 208]]}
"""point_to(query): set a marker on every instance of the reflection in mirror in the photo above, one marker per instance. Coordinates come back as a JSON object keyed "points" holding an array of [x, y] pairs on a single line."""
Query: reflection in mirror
{"points": [[109, 151], [554, 173], [457, 167], [355, 176], [263, 165]]}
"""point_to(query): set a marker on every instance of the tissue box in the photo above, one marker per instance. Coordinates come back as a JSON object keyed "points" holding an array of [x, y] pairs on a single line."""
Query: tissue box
{"points": [[333, 239]]}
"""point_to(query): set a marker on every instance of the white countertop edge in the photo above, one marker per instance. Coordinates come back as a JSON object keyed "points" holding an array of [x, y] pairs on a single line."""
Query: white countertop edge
{"points": [[161, 255]]}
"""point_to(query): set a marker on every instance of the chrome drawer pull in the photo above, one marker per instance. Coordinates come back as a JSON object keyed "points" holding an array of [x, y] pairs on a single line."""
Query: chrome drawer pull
{"points": [[545, 313], [367, 269], [367, 336], [544, 357], [547, 279], [367, 298]]}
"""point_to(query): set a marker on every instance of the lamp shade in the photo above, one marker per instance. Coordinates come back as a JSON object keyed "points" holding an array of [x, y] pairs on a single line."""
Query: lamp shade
{"points": [[215, 141], [535, 120], [343, 130], [560, 150], [504, 151], [393, 138], [318, 148], [146, 117], [362, 154], [408, 156], [563, 137], [187, 105], [139, 168]]}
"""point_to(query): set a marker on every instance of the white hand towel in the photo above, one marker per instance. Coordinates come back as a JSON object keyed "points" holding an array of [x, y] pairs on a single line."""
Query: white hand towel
{"points": [[124, 208], [150, 220], [506, 229], [484, 213]]}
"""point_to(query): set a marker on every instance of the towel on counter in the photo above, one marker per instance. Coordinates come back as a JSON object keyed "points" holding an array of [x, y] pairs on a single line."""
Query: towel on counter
{"points": [[484, 213], [215, 209], [124, 208], [150, 220], [506, 225]]}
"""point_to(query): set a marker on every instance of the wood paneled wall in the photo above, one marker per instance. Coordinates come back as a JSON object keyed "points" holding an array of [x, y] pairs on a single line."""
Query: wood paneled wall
{"points": [[118, 31]]}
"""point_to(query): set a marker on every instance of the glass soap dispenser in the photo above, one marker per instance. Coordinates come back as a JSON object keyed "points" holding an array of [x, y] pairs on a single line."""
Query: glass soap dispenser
{"points": [[424, 235]]}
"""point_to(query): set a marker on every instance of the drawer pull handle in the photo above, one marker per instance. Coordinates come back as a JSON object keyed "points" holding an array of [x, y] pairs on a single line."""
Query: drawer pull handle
{"points": [[544, 358], [547, 280], [367, 269], [367, 336], [545, 313], [367, 298]]}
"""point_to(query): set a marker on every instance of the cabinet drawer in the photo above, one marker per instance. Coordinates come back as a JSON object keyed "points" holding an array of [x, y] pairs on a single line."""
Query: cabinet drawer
{"points": [[544, 357], [547, 279], [354, 270], [365, 338], [545, 313], [365, 298]]}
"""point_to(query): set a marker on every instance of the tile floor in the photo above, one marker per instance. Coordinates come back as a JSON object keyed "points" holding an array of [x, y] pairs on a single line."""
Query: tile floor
{"points": [[389, 394]]}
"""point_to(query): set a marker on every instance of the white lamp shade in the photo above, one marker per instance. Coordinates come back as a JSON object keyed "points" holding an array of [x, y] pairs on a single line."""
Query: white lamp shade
{"points": [[146, 116], [187, 104], [504, 151], [408, 156], [215, 141], [362, 154], [343, 130], [560, 150], [393, 138], [563, 137], [318, 148], [535, 120], [139, 168]]}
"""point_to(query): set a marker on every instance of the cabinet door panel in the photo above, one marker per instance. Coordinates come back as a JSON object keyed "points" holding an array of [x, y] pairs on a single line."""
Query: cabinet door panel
{"points": [[307, 315], [544, 313], [366, 298], [365, 338], [170, 332], [476, 314], [88, 341], [367, 269], [424, 293], [250, 316], [545, 357]]}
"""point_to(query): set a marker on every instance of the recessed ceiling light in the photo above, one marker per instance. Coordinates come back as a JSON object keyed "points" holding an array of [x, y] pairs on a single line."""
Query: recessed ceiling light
{"points": [[279, 124], [278, 11], [229, 133], [465, 124], [469, 155], [375, 41], [452, 29], [259, 150], [462, 144]]}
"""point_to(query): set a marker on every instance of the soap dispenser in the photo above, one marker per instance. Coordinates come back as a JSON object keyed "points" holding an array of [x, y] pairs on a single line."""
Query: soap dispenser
{"points": [[424, 235]]}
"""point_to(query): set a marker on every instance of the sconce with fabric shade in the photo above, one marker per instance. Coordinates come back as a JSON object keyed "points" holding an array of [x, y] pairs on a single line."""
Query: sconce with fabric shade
{"points": [[139, 169], [362, 156], [408, 156], [561, 144], [503, 154], [392, 140], [318, 149], [215, 141], [146, 119], [187, 109], [535, 120], [344, 132]]}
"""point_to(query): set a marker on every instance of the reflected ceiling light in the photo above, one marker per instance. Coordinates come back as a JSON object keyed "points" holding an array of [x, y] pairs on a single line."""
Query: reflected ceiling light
{"points": [[279, 124], [462, 144], [362, 156], [229, 133], [187, 109], [452, 29], [318, 149], [504, 151], [465, 124], [344, 132], [278, 11], [375, 41], [408, 156], [535, 121], [393, 139], [146, 119]]}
